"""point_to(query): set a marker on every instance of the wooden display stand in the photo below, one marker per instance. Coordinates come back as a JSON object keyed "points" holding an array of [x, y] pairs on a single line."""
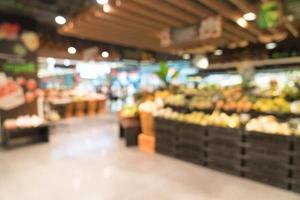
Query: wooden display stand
{"points": [[146, 143], [33, 134], [80, 106], [147, 123]]}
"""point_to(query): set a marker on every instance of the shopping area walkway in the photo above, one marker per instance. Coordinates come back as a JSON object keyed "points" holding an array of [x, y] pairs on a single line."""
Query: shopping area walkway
{"points": [[85, 160]]}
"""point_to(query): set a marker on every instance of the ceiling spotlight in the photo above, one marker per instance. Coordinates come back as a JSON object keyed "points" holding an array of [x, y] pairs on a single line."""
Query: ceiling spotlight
{"points": [[250, 16], [102, 2], [60, 20], [242, 22], [67, 62], [105, 54], [51, 61], [271, 45], [72, 50], [218, 52], [186, 56], [201, 61], [106, 8]]}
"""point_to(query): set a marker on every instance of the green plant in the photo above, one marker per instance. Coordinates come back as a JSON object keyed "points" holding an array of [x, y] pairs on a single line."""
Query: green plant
{"points": [[164, 72]]}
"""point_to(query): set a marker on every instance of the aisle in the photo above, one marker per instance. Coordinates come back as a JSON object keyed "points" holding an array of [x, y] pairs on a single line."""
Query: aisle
{"points": [[85, 160]]}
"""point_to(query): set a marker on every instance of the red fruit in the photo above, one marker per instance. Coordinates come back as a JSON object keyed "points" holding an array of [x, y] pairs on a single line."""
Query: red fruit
{"points": [[39, 93], [29, 97], [31, 84], [21, 81]]}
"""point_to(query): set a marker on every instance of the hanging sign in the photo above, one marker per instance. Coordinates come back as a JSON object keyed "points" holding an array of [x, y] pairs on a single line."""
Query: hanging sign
{"points": [[269, 14], [210, 28]]}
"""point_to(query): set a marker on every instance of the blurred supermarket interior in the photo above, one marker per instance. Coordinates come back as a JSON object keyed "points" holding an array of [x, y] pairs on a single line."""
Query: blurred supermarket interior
{"points": [[149, 99]]}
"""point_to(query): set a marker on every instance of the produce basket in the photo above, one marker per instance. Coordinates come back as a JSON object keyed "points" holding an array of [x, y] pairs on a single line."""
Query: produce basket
{"points": [[232, 166], [147, 123], [274, 181], [227, 134], [166, 149], [259, 140], [131, 135], [146, 143], [127, 122], [193, 155]]}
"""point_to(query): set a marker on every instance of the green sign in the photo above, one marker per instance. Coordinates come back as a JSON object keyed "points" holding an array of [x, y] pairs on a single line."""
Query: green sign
{"points": [[269, 14], [28, 68]]}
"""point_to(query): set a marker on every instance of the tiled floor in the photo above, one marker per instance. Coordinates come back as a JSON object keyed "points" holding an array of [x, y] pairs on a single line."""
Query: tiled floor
{"points": [[85, 160]]}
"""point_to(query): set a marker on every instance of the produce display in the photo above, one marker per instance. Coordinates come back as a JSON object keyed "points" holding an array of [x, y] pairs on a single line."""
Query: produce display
{"points": [[176, 100], [148, 106], [277, 104], [200, 118], [268, 124], [26, 121], [129, 111]]}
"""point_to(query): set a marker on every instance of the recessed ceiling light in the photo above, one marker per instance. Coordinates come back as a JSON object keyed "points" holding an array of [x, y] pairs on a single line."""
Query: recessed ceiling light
{"points": [[186, 56], [67, 62], [242, 22], [250, 16], [72, 50], [51, 61], [60, 20], [201, 61], [105, 54], [271, 45], [106, 8], [218, 52], [102, 2]]}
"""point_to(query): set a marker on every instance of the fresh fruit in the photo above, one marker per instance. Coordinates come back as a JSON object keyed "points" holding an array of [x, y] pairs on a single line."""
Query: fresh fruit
{"points": [[31, 84]]}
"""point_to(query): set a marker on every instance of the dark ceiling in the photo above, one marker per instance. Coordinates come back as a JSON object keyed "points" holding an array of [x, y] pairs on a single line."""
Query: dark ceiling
{"points": [[44, 10]]}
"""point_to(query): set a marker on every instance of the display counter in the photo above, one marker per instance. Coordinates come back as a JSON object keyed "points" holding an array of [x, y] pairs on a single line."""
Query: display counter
{"points": [[267, 158]]}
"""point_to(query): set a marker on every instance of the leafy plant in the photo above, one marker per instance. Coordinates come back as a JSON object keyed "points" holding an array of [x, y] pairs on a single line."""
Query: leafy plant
{"points": [[163, 74]]}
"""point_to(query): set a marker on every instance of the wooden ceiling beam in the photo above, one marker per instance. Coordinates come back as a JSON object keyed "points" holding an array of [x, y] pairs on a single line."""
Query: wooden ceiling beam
{"points": [[123, 22], [244, 6], [149, 13], [134, 17], [170, 10], [202, 12], [230, 14]]}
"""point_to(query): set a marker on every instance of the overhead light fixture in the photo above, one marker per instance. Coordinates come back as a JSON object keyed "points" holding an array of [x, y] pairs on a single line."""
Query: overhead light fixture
{"points": [[218, 52], [72, 50], [250, 16], [242, 22], [60, 20], [102, 2], [67, 62], [105, 54], [201, 61], [51, 61], [106, 8], [186, 56], [271, 45]]}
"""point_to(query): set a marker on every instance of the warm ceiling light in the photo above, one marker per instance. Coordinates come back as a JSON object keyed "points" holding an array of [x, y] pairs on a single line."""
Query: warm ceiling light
{"points": [[102, 2], [218, 52], [186, 56], [106, 8], [271, 45], [242, 22], [250, 16], [72, 50], [60, 20], [67, 62], [201, 61], [105, 54]]}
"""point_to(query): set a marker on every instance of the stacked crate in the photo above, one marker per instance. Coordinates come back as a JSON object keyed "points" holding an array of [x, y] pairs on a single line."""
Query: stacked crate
{"points": [[166, 136], [190, 143], [268, 158], [296, 165], [224, 149]]}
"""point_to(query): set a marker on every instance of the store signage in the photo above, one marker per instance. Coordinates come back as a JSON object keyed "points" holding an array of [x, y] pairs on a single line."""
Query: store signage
{"points": [[184, 34], [269, 14], [19, 43], [209, 28]]}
